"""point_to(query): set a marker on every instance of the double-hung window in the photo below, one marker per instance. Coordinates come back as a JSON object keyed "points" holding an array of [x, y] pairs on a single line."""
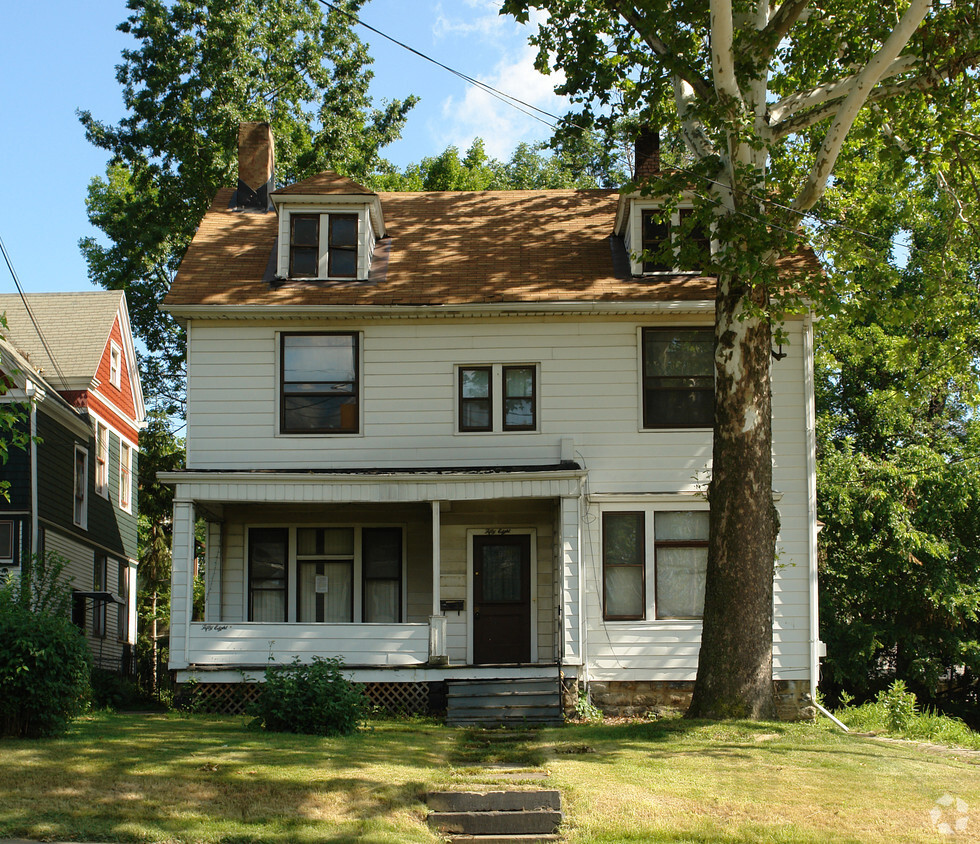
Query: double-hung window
{"points": [[80, 488], [323, 245], [268, 558], [479, 408], [122, 610], [381, 569], [100, 575], [678, 377], [101, 459], [125, 475], [115, 365], [319, 384], [674, 543], [672, 241]]}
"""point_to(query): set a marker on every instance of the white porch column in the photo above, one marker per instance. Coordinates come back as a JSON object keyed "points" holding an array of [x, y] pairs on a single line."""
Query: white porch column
{"points": [[571, 581], [438, 649], [181, 583]]}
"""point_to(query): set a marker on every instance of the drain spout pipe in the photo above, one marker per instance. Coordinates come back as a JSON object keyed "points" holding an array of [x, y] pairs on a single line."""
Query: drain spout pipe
{"points": [[824, 711]]}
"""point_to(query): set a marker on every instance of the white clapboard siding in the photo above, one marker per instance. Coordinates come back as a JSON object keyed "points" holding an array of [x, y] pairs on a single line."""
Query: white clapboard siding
{"points": [[261, 643]]}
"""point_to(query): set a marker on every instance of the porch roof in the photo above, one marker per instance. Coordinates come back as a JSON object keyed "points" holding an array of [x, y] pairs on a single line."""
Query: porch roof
{"points": [[377, 485]]}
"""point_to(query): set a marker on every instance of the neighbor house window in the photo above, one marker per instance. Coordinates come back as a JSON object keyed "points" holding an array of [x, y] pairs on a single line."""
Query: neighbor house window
{"points": [[319, 384], [304, 245], [122, 610], [6, 542], [681, 540], [268, 550], [99, 584], [80, 488], [101, 460], [381, 565], [125, 475], [678, 377], [115, 365], [479, 408], [325, 574], [623, 565]]}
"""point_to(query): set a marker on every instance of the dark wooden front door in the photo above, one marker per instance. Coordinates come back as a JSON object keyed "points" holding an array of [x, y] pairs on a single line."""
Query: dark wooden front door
{"points": [[501, 599]]}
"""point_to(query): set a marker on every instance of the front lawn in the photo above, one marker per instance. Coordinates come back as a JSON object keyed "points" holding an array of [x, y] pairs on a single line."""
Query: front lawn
{"points": [[169, 778]]}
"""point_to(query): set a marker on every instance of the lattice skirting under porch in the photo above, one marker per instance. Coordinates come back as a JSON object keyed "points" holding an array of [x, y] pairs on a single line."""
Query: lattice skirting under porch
{"points": [[234, 698]]}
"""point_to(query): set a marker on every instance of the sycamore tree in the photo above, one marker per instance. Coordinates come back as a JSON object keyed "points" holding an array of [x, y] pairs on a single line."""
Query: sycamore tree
{"points": [[765, 98]]}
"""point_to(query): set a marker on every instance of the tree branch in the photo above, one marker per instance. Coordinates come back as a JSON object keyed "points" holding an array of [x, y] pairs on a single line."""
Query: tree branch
{"points": [[801, 100], [780, 24], [665, 53], [723, 51], [863, 85]]}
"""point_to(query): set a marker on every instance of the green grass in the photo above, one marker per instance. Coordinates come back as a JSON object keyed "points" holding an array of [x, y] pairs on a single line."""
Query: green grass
{"points": [[160, 778], [927, 725]]}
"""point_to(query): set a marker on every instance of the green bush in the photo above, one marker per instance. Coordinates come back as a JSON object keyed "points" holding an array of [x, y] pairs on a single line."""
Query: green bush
{"points": [[44, 659], [315, 699]]}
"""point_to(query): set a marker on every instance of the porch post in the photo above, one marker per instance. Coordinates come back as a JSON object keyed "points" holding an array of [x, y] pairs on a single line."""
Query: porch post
{"points": [[438, 654], [181, 583]]}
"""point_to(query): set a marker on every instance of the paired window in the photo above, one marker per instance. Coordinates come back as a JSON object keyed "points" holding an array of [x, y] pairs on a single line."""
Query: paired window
{"points": [[101, 460], [319, 384], [122, 610], [678, 540], [80, 488], [672, 241], [330, 563], [125, 475], [478, 407], [311, 256], [678, 377]]}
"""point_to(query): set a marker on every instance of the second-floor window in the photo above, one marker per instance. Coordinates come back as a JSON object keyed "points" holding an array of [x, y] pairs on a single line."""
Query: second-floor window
{"points": [[101, 460], [673, 241], [125, 475], [678, 377], [319, 384], [80, 488], [480, 409]]}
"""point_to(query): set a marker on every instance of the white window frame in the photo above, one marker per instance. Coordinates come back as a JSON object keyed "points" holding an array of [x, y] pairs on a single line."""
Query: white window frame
{"points": [[650, 511], [101, 459], [496, 398], [292, 568], [634, 241], [364, 240], [115, 364], [125, 476], [80, 496]]}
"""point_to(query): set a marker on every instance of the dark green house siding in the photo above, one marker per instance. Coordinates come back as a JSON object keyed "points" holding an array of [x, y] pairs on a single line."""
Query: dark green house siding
{"points": [[17, 472]]}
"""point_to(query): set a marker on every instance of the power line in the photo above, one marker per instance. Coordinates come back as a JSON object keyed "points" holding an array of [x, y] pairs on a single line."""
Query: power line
{"points": [[30, 313]]}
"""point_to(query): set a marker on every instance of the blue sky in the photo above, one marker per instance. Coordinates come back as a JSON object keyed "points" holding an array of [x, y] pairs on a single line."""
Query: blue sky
{"points": [[61, 56]]}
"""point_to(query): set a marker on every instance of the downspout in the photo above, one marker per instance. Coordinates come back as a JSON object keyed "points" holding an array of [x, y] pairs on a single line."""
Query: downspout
{"points": [[31, 392]]}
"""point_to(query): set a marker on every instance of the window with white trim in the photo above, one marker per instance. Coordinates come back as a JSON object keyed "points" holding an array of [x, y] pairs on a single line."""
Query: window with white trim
{"points": [[323, 245], [115, 364], [666, 547], [125, 475], [479, 409], [100, 583], [122, 610], [667, 241], [101, 460], [319, 383], [80, 488], [678, 377]]}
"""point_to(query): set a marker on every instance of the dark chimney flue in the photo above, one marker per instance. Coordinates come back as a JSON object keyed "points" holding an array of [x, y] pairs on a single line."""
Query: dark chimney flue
{"points": [[256, 166], [647, 154]]}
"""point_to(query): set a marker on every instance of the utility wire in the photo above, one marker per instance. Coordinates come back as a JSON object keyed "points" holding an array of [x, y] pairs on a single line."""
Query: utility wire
{"points": [[30, 313], [554, 120]]}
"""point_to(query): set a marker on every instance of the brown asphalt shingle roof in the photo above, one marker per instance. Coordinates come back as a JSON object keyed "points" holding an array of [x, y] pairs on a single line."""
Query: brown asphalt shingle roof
{"points": [[445, 248]]}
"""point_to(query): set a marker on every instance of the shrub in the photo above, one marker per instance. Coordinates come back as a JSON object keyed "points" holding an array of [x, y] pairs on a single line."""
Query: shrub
{"points": [[44, 659], [315, 699], [899, 704]]}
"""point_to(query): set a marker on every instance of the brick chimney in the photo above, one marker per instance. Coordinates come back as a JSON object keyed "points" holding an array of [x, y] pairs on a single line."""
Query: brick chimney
{"points": [[646, 152], [256, 166]]}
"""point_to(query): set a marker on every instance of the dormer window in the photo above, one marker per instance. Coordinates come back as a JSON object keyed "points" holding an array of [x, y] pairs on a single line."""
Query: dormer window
{"points": [[342, 246], [324, 245], [304, 245], [670, 241]]}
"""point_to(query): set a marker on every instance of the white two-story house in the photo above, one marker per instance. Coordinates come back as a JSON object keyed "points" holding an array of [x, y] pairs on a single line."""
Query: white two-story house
{"points": [[452, 437]]}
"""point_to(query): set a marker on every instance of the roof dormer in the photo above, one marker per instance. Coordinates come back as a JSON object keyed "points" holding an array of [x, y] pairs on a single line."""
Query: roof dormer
{"points": [[328, 226]]}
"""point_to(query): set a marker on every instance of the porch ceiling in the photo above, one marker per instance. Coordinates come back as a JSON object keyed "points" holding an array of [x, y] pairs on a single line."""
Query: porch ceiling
{"points": [[375, 486]]}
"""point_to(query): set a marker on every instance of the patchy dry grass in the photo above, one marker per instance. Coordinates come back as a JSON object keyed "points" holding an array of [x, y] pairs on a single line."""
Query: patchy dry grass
{"points": [[201, 779]]}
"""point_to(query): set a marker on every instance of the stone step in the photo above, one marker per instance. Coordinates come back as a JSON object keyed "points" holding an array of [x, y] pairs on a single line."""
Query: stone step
{"points": [[518, 699], [456, 688], [495, 717], [505, 839], [493, 801], [537, 822]]}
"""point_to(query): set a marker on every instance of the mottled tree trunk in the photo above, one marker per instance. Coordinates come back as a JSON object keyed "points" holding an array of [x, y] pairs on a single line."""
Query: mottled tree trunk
{"points": [[734, 677]]}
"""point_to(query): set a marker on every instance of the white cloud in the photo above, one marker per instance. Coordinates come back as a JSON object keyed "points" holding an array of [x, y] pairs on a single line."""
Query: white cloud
{"points": [[501, 125]]}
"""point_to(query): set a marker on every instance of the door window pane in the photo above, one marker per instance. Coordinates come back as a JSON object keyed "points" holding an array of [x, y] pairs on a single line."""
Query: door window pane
{"points": [[502, 573]]}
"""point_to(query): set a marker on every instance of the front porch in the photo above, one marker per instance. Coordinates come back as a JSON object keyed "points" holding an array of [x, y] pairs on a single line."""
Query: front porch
{"points": [[481, 582]]}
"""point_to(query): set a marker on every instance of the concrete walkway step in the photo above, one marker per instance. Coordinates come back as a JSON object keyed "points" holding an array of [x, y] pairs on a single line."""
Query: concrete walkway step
{"points": [[496, 816]]}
